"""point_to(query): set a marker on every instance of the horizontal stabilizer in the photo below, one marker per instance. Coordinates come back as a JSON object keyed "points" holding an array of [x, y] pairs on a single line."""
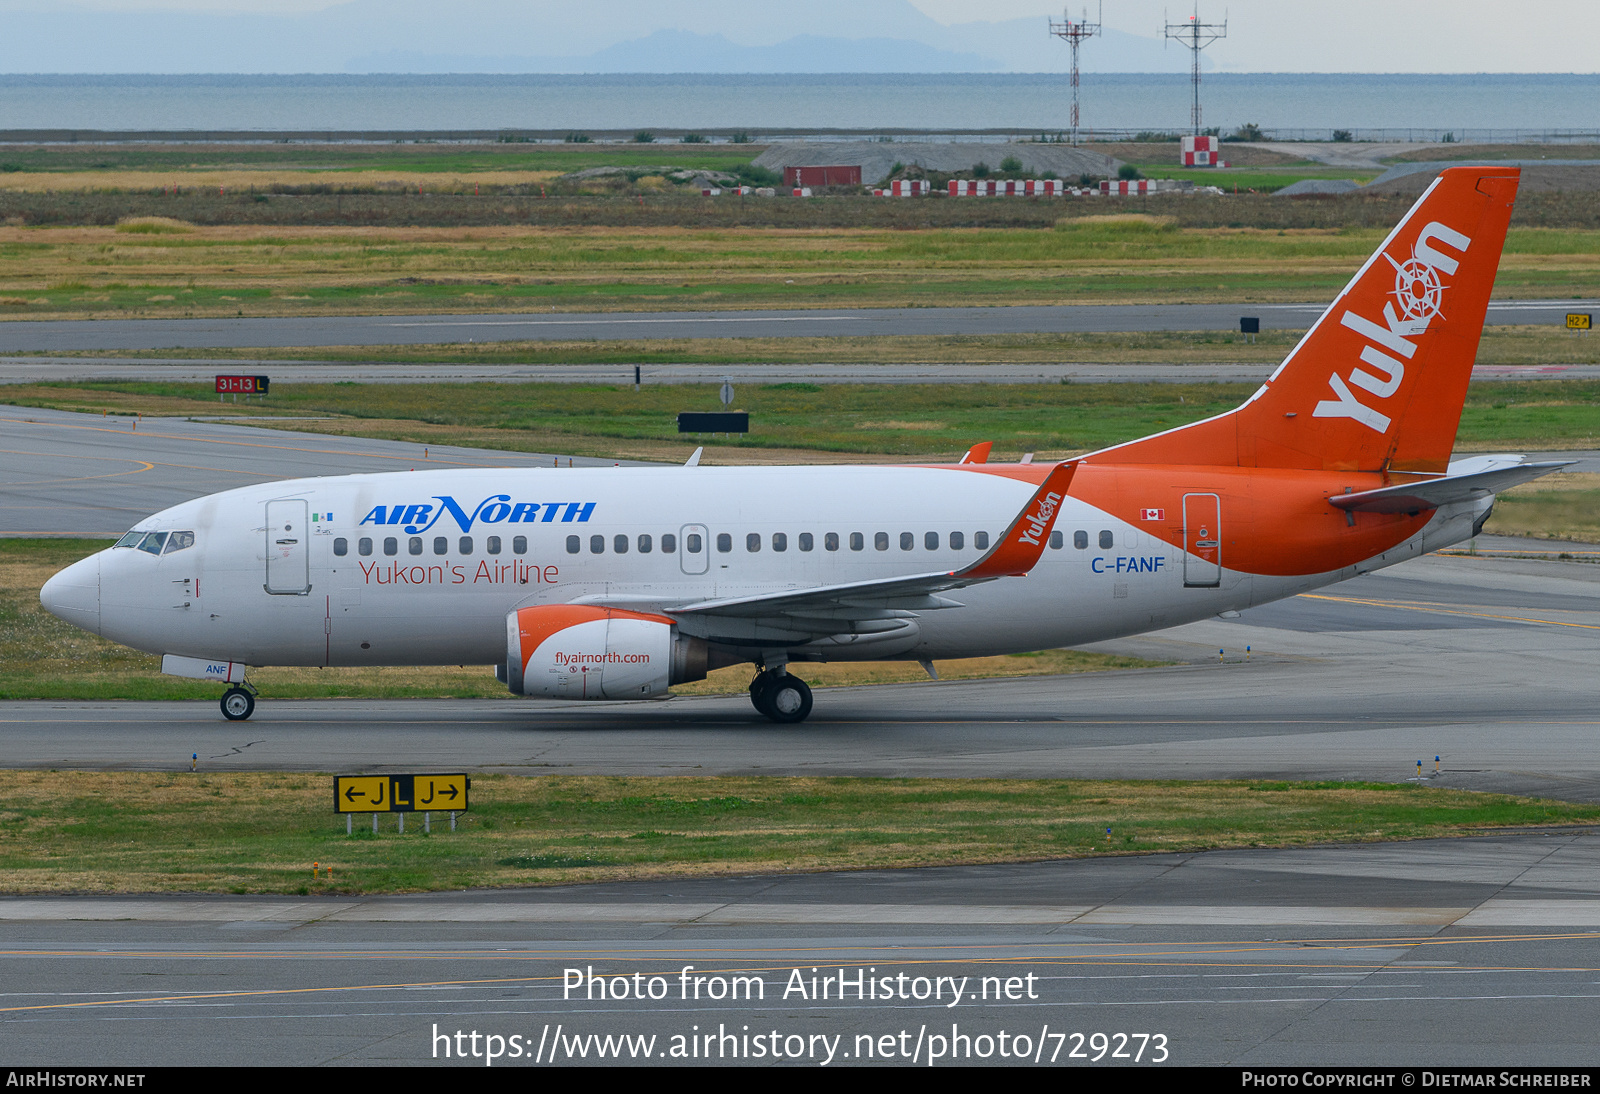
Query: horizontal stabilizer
{"points": [[1423, 494]]}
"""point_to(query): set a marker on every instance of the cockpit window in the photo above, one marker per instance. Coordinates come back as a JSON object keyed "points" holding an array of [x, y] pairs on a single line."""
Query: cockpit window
{"points": [[131, 539], [178, 541], [153, 542]]}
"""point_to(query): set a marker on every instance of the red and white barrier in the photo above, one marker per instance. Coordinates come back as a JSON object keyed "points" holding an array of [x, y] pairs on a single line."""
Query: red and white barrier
{"points": [[961, 188], [1124, 187], [907, 188]]}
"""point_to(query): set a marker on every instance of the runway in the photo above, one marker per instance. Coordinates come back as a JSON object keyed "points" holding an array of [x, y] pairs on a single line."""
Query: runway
{"points": [[56, 336], [1456, 952]]}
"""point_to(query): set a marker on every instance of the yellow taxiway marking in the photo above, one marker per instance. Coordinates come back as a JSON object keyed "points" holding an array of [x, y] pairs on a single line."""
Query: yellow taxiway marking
{"points": [[1440, 610]]}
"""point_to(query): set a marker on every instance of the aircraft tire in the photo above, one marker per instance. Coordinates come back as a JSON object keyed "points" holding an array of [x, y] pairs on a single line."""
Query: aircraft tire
{"points": [[788, 700], [760, 689], [237, 704]]}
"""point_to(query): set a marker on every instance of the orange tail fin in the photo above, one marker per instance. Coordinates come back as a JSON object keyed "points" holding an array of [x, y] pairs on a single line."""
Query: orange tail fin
{"points": [[1379, 381]]}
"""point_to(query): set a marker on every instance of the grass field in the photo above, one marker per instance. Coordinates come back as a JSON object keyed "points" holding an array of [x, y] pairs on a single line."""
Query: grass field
{"points": [[260, 833], [1563, 506], [841, 421], [153, 268]]}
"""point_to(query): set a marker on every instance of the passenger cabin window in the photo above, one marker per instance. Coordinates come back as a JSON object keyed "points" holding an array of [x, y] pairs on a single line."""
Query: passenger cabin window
{"points": [[441, 545], [619, 544], [857, 541], [1080, 540], [1056, 541], [1105, 540], [573, 545], [752, 542], [644, 545], [930, 540], [957, 541], [907, 541], [724, 542], [669, 544], [465, 546], [831, 541], [391, 546], [780, 541], [807, 543], [364, 545], [597, 545], [181, 541], [492, 544], [415, 546], [341, 546], [980, 540], [880, 541], [519, 546]]}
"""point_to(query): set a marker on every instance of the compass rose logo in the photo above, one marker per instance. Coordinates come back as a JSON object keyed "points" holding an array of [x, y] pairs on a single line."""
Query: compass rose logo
{"points": [[1417, 289]]}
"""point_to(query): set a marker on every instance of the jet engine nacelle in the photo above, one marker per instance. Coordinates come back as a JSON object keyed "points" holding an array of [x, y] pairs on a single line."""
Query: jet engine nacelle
{"points": [[565, 651]]}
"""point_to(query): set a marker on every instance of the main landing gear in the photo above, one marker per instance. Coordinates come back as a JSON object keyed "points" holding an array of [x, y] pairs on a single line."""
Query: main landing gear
{"points": [[238, 703], [784, 698]]}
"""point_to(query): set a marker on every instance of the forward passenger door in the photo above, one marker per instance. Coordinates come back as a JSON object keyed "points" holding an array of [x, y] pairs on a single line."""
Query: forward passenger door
{"points": [[288, 548]]}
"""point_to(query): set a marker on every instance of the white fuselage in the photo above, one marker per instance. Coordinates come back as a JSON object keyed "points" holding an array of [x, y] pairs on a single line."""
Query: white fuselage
{"points": [[423, 567]]}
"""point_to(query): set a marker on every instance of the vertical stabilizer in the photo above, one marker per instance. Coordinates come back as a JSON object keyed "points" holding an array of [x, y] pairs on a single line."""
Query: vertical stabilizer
{"points": [[1379, 381]]}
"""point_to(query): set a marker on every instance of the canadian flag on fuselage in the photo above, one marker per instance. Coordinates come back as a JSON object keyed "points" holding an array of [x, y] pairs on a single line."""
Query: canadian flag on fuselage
{"points": [[1378, 383]]}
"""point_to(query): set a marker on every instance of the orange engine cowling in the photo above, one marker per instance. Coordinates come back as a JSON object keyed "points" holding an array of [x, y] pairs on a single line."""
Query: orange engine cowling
{"points": [[569, 651]]}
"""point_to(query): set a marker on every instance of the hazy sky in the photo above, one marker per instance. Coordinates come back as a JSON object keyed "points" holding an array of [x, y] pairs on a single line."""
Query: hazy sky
{"points": [[1263, 35]]}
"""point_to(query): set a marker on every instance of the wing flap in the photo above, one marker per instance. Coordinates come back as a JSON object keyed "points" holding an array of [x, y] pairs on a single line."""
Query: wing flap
{"points": [[831, 609]]}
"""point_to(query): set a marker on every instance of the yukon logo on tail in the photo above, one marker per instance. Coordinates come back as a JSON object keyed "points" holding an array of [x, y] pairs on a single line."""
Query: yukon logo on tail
{"points": [[1036, 522], [1419, 294]]}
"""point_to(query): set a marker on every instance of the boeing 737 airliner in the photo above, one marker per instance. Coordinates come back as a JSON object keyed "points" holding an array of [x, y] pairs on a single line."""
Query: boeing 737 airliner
{"points": [[617, 583]]}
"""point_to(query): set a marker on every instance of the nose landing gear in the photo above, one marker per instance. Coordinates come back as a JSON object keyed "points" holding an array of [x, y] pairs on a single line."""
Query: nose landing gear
{"points": [[781, 697], [238, 703]]}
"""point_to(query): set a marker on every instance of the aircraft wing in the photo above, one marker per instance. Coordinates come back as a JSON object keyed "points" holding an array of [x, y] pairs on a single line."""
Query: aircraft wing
{"points": [[864, 607], [1467, 480]]}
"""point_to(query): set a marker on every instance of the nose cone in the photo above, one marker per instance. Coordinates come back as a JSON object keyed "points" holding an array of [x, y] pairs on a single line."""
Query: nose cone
{"points": [[74, 594]]}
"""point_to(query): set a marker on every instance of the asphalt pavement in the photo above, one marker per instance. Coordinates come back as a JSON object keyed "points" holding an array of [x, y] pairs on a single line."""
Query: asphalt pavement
{"points": [[57, 336]]}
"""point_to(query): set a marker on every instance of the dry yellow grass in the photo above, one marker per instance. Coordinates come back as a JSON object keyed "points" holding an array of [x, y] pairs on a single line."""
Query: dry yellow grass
{"points": [[720, 268], [1563, 506]]}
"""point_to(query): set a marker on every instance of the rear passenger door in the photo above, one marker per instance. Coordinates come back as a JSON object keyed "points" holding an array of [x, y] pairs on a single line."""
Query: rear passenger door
{"points": [[1202, 541]]}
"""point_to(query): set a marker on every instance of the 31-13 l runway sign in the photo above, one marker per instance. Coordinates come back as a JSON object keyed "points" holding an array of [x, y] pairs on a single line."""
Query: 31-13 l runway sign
{"points": [[401, 793]]}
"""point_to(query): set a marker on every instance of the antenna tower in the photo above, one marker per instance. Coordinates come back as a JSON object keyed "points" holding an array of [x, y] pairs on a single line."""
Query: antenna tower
{"points": [[1074, 33], [1195, 36]]}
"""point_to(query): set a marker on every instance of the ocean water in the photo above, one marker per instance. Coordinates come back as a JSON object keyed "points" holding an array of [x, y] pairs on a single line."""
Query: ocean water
{"points": [[1375, 106]]}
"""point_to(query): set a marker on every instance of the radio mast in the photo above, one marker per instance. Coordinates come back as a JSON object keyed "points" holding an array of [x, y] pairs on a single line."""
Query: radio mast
{"points": [[1195, 36], [1074, 34]]}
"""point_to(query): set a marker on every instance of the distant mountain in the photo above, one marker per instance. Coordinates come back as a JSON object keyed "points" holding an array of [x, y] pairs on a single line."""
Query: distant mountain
{"points": [[681, 51]]}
